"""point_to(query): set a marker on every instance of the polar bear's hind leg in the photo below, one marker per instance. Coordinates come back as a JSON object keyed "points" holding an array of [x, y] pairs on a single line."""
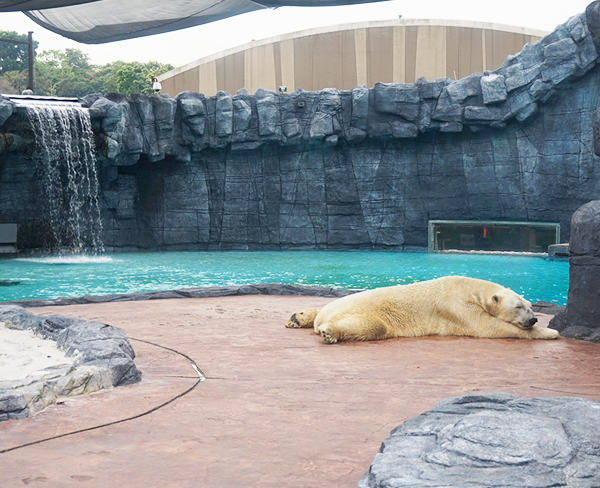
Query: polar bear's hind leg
{"points": [[353, 328], [327, 334]]}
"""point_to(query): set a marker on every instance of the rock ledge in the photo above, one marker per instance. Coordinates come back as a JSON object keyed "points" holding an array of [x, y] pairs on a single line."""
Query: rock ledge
{"points": [[199, 292]]}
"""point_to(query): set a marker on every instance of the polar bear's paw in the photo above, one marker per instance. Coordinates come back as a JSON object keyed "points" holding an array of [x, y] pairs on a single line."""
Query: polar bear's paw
{"points": [[326, 335], [544, 333]]}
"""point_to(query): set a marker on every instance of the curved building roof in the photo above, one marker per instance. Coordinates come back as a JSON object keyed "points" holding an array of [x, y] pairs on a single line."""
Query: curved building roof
{"points": [[348, 55]]}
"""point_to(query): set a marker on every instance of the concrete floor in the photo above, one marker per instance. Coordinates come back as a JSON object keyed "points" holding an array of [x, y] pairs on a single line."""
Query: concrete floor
{"points": [[278, 408]]}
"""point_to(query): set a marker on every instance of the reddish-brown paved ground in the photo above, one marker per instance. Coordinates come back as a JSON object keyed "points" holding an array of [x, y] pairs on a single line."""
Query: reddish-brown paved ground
{"points": [[278, 408]]}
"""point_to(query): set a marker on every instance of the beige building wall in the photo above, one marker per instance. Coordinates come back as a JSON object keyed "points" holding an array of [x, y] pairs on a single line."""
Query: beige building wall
{"points": [[346, 56]]}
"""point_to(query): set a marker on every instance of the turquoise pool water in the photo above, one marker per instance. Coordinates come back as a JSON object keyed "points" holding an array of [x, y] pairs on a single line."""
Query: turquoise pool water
{"points": [[534, 277]]}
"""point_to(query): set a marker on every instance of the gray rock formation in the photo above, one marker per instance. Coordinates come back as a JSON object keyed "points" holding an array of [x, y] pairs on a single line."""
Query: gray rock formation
{"points": [[360, 168], [155, 126], [201, 292], [581, 319], [7, 108], [548, 308], [104, 360], [493, 440]]}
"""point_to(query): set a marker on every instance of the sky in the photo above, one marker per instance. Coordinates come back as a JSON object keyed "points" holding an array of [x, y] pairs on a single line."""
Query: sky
{"points": [[184, 46]]}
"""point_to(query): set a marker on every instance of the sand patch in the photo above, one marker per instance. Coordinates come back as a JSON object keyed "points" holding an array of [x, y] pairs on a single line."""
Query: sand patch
{"points": [[22, 353]]}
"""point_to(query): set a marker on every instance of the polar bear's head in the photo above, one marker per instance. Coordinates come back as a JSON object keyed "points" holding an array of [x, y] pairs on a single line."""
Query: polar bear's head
{"points": [[508, 306], [303, 318]]}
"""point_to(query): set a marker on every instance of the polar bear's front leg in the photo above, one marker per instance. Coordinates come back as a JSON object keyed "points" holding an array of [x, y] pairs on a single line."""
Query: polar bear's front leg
{"points": [[493, 328], [543, 333]]}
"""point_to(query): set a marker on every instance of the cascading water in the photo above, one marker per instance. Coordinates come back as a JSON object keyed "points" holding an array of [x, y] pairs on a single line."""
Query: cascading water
{"points": [[67, 170]]}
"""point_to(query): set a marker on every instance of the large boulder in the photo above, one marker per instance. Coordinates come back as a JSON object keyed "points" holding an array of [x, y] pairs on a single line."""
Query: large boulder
{"points": [[581, 318], [493, 440]]}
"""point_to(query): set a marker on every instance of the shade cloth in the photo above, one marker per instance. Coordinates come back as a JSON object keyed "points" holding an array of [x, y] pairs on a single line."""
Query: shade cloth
{"points": [[16, 5], [96, 22]]}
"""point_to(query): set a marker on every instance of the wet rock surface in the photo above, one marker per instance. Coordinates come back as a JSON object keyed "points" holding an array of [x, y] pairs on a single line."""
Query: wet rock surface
{"points": [[493, 440], [104, 359]]}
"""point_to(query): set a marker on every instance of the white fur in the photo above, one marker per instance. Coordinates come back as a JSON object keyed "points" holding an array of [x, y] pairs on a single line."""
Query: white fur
{"points": [[453, 305]]}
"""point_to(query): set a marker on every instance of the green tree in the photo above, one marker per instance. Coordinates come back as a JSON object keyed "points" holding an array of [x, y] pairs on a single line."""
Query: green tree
{"points": [[66, 73], [13, 57], [50, 73], [6, 86], [69, 73], [129, 78], [14, 82], [81, 78]]}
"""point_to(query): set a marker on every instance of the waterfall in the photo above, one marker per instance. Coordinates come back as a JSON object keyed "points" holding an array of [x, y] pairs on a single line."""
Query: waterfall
{"points": [[69, 180]]}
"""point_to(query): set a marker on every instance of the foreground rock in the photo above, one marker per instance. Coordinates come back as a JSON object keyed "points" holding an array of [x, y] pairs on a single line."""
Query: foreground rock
{"points": [[104, 360], [494, 439]]}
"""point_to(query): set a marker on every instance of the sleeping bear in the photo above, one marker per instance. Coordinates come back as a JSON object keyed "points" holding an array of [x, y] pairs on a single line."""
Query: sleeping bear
{"points": [[453, 305]]}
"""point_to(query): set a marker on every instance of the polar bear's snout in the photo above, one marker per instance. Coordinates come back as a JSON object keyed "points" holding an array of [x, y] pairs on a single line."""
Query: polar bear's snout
{"points": [[528, 324], [293, 321], [302, 318]]}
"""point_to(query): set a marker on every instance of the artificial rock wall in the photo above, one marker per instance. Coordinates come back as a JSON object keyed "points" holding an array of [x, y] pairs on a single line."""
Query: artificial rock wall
{"points": [[363, 168]]}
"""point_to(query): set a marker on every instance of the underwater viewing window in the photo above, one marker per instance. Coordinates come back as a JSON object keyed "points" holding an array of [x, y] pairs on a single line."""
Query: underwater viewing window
{"points": [[8, 238], [477, 235]]}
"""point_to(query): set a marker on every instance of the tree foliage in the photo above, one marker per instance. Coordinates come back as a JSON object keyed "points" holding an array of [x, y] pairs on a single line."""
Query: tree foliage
{"points": [[65, 73], [14, 81], [129, 78], [69, 73], [13, 57]]}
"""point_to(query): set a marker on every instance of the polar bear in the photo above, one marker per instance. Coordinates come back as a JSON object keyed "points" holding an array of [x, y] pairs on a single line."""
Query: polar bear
{"points": [[453, 305]]}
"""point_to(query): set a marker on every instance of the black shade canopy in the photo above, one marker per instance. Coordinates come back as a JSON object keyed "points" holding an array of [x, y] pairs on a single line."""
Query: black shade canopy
{"points": [[95, 22]]}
